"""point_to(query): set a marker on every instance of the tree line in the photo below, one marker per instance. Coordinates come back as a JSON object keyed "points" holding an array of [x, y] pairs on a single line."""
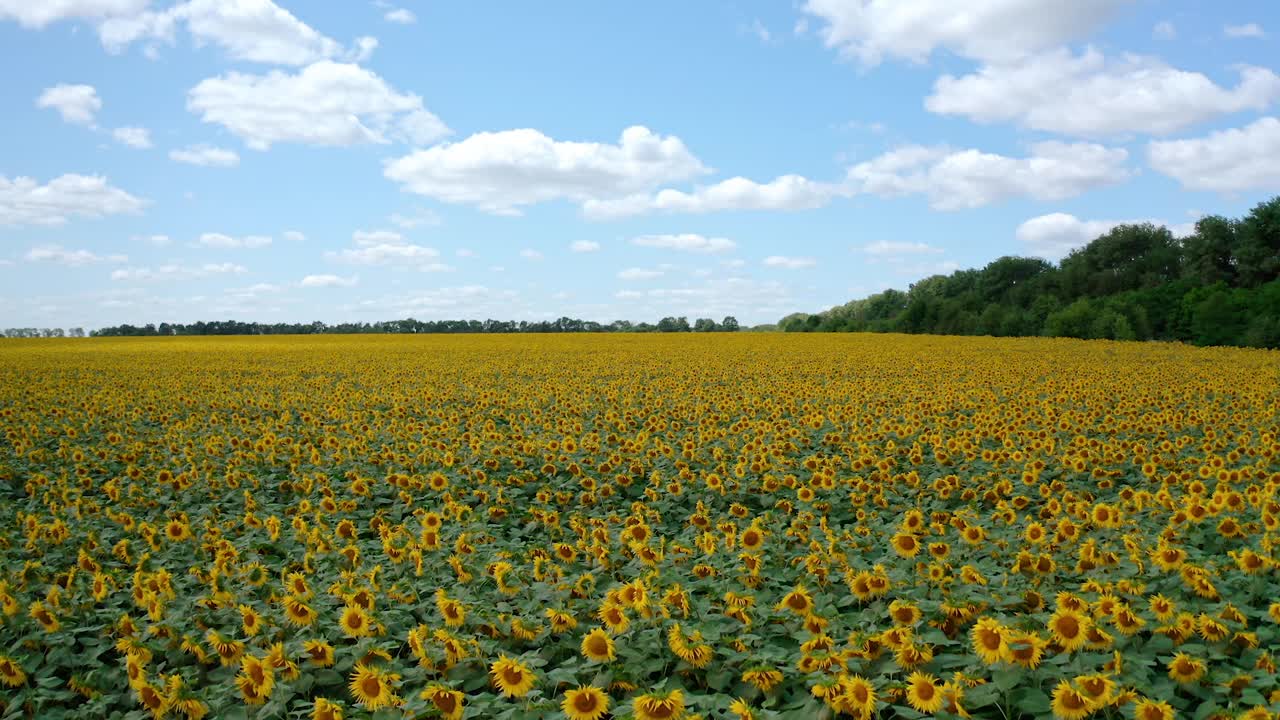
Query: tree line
{"points": [[410, 325], [1219, 286]]}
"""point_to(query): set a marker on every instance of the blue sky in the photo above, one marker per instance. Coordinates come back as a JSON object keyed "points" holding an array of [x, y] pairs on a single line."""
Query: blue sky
{"points": [[294, 161]]}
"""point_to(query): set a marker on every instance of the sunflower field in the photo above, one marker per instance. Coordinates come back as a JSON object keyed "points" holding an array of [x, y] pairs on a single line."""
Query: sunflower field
{"points": [[638, 527]]}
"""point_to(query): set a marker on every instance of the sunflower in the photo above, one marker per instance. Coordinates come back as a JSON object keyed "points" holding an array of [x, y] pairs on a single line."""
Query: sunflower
{"points": [[585, 703], [250, 620], [319, 652], [511, 677], [447, 701], [326, 710], [990, 640], [1185, 669], [598, 646], [904, 613], [614, 618], [44, 615], [906, 545], [560, 621], [923, 692], [1026, 649], [659, 707], [764, 679], [11, 672], [860, 696], [355, 622], [1070, 629], [741, 709], [1099, 689], [798, 601], [1153, 710], [298, 612], [372, 687], [256, 680], [1069, 703]]}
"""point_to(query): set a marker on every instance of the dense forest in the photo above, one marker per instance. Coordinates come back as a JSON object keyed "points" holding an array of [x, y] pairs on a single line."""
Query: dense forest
{"points": [[1219, 286], [562, 325]]}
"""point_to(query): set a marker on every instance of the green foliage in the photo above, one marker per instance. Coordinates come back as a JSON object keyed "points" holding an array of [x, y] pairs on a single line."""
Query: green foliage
{"points": [[1220, 286]]}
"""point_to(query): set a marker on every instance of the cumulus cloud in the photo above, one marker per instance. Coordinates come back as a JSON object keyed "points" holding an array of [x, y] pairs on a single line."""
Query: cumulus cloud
{"points": [[789, 263], [686, 242], [77, 104], [886, 248], [584, 246], [326, 103], [24, 201], [400, 16], [788, 192], [870, 30], [500, 172], [636, 273], [1248, 30], [1055, 235], [1231, 160], [174, 271], [226, 242], [293, 236], [961, 179], [59, 255], [134, 137], [386, 247], [205, 156], [1089, 95], [328, 281], [38, 14]]}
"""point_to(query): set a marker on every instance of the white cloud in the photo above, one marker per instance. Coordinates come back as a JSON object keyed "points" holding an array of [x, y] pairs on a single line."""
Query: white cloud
{"points": [[686, 242], [1088, 95], [293, 236], [870, 30], [155, 240], [452, 302], [788, 192], [464, 252], [254, 30], [326, 103], [60, 256], [226, 242], [400, 16], [1224, 161], [790, 263], [584, 246], [886, 248], [77, 104], [960, 179], [328, 281], [1055, 235], [500, 172], [385, 247], [714, 298], [39, 13], [530, 254], [1164, 30], [134, 137], [1248, 30], [418, 218], [23, 201], [205, 156], [636, 273], [175, 271]]}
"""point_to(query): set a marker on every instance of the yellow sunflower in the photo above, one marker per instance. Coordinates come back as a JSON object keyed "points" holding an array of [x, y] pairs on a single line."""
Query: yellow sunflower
{"points": [[11, 672], [511, 677], [924, 693], [990, 640], [319, 652], [585, 703], [1069, 703], [1185, 669], [326, 710], [598, 646], [447, 701], [1153, 710], [860, 696], [659, 707], [764, 679], [373, 687], [798, 601], [1070, 629], [355, 622]]}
